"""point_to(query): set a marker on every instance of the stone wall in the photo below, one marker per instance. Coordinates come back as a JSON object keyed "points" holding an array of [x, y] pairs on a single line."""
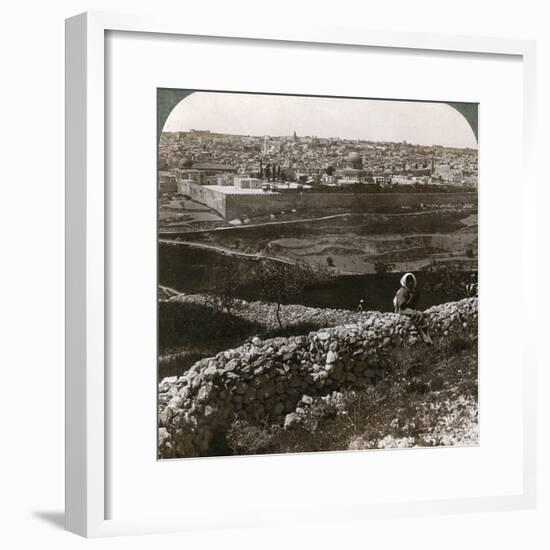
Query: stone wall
{"points": [[209, 197], [243, 205], [266, 379], [254, 205]]}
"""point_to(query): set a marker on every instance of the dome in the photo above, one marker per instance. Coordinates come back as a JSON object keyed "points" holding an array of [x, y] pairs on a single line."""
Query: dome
{"points": [[354, 158], [186, 162]]}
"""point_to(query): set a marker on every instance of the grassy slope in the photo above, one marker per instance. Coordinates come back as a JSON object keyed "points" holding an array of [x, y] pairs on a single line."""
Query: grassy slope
{"points": [[427, 397]]}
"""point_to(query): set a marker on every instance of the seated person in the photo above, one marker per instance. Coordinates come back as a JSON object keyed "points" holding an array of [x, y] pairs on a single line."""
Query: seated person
{"points": [[405, 301]]}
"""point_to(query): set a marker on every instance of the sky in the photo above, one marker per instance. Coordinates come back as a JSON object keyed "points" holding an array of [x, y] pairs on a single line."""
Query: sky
{"points": [[367, 119]]}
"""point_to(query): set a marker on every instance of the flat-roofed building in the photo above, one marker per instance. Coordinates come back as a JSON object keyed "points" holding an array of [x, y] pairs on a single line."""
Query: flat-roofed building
{"points": [[246, 182], [205, 173], [166, 182], [184, 186]]}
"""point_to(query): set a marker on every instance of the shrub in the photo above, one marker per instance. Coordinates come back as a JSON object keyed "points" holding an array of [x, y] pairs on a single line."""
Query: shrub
{"points": [[281, 282], [244, 437], [416, 402], [383, 267], [447, 279]]}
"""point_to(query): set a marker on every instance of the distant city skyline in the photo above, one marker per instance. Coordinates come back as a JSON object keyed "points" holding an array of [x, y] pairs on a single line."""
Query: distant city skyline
{"points": [[421, 123]]}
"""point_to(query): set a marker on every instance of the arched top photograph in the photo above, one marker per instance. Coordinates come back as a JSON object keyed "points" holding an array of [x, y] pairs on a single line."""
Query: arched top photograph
{"points": [[317, 275]]}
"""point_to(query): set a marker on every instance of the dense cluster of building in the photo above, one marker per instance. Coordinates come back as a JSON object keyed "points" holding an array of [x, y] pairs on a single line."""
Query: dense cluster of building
{"points": [[293, 162]]}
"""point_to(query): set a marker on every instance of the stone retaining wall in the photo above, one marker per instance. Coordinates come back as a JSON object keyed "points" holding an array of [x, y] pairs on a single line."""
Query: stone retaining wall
{"points": [[256, 205], [231, 205], [266, 379]]}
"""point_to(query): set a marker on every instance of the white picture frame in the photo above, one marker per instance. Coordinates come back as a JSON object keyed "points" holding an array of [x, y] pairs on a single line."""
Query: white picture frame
{"points": [[86, 266]]}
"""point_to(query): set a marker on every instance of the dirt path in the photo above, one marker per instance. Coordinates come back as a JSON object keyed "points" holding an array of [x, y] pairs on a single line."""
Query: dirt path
{"points": [[226, 251], [173, 231]]}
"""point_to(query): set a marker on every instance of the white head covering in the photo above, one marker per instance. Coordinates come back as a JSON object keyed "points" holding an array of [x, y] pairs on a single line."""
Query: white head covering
{"points": [[403, 280]]}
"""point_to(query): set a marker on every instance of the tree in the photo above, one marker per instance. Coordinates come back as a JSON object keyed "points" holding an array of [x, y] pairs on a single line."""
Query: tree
{"points": [[281, 282], [383, 267], [225, 280], [449, 280]]}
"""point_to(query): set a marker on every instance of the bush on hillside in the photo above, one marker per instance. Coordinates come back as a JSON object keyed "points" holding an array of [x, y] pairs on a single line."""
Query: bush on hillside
{"points": [[423, 397]]}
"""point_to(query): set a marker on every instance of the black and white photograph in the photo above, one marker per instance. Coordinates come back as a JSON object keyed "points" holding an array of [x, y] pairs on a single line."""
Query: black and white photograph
{"points": [[317, 274], [242, 298]]}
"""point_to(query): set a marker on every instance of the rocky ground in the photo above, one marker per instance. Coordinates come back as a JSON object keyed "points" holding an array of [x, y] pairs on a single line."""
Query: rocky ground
{"points": [[293, 314], [425, 401], [369, 382], [245, 320]]}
